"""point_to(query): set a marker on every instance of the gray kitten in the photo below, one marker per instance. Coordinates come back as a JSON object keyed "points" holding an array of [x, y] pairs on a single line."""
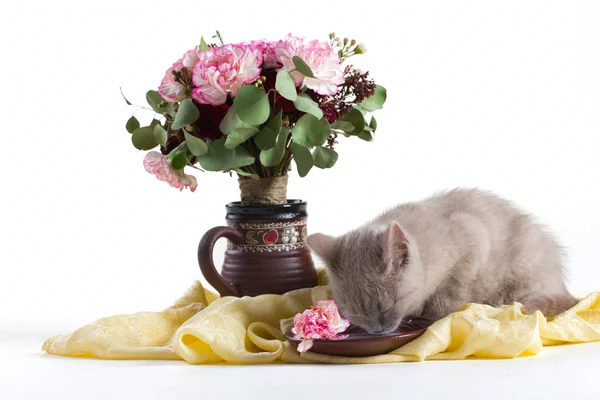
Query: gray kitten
{"points": [[428, 258]]}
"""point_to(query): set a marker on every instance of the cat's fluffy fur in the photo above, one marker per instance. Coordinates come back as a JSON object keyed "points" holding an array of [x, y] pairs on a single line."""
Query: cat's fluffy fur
{"points": [[428, 258]]}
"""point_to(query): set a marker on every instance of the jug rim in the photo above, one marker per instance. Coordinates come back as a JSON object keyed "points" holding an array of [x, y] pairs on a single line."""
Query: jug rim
{"points": [[293, 206]]}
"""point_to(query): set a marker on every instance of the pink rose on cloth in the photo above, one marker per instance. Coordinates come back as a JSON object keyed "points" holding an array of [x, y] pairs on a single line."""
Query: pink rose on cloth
{"points": [[225, 70], [159, 165], [171, 90], [319, 56], [322, 321]]}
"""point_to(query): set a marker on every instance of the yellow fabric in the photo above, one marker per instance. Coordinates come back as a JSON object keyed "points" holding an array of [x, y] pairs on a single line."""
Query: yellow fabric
{"points": [[202, 328]]}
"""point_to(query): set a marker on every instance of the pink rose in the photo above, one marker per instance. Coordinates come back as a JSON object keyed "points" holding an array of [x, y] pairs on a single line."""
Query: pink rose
{"points": [[171, 90], [159, 165], [319, 56], [321, 322], [224, 71]]}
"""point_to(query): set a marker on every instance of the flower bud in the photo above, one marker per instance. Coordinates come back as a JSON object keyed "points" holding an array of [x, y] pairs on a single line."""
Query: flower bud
{"points": [[361, 48]]}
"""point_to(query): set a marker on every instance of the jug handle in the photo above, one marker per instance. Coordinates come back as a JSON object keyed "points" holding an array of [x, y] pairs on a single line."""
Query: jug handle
{"points": [[205, 258]]}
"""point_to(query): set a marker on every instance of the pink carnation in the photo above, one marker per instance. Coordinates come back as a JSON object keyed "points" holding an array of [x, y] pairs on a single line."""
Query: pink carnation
{"points": [[319, 56], [159, 165], [190, 58], [268, 49], [171, 90], [225, 70], [321, 322]]}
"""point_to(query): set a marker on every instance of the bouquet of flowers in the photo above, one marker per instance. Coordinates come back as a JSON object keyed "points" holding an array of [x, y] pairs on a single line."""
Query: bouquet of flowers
{"points": [[251, 108]]}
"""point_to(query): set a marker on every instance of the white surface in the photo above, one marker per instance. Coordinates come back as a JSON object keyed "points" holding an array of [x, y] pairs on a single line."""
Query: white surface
{"points": [[501, 95], [557, 373]]}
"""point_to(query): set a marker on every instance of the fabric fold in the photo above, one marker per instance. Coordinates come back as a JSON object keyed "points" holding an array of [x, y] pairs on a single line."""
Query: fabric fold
{"points": [[202, 328]]}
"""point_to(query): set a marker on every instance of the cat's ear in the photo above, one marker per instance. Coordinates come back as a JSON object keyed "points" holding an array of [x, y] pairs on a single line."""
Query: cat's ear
{"points": [[323, 245], [395, 245]]}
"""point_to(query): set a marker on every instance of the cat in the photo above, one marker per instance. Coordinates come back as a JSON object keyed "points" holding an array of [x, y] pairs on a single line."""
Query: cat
{"points": [[430, 257]]}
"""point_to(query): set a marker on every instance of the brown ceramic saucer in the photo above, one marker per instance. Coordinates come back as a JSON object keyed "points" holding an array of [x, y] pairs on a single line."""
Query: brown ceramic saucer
{"points": [[359, 343]]}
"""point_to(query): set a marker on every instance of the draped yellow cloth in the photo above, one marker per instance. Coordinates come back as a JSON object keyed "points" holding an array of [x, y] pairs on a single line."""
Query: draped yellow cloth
{"points": [[202, 328]]}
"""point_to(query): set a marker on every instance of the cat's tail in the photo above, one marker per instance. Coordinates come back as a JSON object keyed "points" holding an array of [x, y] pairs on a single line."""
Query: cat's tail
{"points": [[550, 305]]}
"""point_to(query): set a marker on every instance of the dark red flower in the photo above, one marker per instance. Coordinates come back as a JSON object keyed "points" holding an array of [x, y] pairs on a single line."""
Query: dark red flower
{"points": [[173, 140], [207, 125], [281, 103], [329, 112]]}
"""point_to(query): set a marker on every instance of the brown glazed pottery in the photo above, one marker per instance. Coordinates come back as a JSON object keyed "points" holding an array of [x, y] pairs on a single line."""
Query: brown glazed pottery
{"points": [[266, 251], [362, 344]]}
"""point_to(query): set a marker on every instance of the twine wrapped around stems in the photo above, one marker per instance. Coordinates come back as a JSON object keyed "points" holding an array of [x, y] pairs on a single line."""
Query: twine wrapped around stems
{"points": [[272, 191]]}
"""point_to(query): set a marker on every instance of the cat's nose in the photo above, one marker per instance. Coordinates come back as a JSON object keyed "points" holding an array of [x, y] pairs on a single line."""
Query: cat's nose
{"points": [[381, 325], [386, 327], [390, 328], [375, 327]]}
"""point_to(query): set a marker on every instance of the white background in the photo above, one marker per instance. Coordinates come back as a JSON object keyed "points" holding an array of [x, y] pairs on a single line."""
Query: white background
{"points": [[499, 95]]}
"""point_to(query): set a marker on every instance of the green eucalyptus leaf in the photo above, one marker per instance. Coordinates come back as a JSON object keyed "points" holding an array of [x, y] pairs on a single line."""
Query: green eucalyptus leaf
{"points": [[143, 138], [197, 146], [179, 161], [160, 134], [324, 157], [310, 131], [132, 124], [252, 105], [267, 137], [303, 158], [362, 110], [125, 98], [203, 45], [157, 103], [246, 174], [366, 136], [304, 103], [373, 124], [228, 121], [232, 121], [239, 136], [343, 126], [219, 158], [272, 157], [357, 119], [186, 114], [376, 101], [302, 67], [285, 85]]}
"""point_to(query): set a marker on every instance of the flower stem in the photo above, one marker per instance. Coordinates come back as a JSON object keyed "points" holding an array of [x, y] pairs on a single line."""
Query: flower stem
{"points": [[217, 35], [287, 157]]}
